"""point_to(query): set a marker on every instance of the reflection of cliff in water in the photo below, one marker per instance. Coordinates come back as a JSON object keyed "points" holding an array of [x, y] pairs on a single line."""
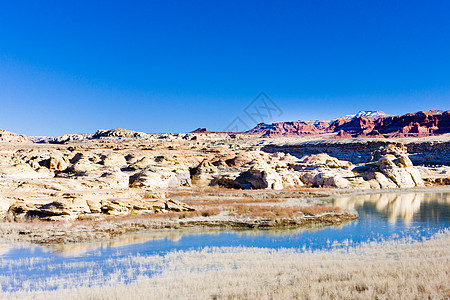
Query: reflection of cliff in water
{"points": [[174, 236], [430, 207], [124, 240]]}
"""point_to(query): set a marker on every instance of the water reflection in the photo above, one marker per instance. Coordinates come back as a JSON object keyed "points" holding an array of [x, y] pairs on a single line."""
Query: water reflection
{"points": [[124, 240], [174, 235], [405, 206]]}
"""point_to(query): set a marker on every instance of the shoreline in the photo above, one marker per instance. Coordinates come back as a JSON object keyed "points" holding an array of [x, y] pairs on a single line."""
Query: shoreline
{"points": [[106, 228], [37, 232]]}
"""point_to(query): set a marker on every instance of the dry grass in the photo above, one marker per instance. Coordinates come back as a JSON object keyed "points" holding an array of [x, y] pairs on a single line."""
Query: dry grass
{"points": [[216, 191], [250, 204], [221, 201], [389, 270], [255, 211]]}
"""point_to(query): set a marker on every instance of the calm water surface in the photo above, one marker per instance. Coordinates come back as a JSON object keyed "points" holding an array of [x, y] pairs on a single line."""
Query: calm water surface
{"points": [[383, 216]]}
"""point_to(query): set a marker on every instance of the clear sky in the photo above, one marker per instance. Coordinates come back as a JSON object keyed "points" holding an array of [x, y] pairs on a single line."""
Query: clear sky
{"points": [[173, 66]]}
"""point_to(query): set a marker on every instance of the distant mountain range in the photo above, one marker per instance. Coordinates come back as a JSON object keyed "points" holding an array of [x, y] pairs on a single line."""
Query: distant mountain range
{"points": [[368, 113], [363, 124]]}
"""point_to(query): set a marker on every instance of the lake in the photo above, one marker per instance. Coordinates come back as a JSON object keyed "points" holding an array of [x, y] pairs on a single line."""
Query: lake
{"points": [[383, 216]]}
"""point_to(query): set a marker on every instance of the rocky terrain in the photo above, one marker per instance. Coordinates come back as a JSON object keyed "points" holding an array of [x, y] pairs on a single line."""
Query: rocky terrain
{"points": [[9, 137], [363, 124], [203, 178]]}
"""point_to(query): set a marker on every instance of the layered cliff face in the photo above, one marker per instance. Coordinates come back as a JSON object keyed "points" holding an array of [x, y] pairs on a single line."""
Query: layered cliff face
{"points": [[9, 137], [418, 124]]}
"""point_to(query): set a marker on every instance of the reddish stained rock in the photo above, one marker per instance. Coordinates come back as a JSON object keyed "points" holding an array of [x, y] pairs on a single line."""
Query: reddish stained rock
{"points": [[418, 124], [200, 130]]}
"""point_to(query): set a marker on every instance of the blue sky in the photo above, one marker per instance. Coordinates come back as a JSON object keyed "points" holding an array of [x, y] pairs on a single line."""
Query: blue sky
{"points": [[173, 66]]}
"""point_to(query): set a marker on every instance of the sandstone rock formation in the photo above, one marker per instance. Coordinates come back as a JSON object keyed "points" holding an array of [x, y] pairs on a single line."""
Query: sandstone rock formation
{"points": [[74, 208], [325, 160], [400, 170], [4, 204], [259, 178], [155, 179], [9, 137], [118, 132]]}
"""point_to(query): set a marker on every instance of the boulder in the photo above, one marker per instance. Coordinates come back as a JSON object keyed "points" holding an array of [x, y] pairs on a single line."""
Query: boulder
{"points": [[94, 206], [260, 178], [83, 164], [289, 178], [155, 179], [158, 205], [323, 177], [4, 204], [114, 160], [174, 205], [325, 160], [116, 179], [58, 163], [183, 176], [114, 207], [383, 181], [71, 207], [140, 164], [241, 159], [203, 168], [125, 206], [400, 170], [20, 207]]}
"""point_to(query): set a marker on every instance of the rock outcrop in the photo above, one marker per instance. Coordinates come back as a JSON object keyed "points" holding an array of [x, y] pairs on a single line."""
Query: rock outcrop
{"points": [[118, 133], [155, 179], [259, 178], [74, 208], [9, 137], [400, 170]]}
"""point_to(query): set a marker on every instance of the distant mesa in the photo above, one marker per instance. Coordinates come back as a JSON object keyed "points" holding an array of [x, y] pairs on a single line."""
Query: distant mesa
{"points": [[9, 137], [201, 130], [363, 124], [118, 132]]}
